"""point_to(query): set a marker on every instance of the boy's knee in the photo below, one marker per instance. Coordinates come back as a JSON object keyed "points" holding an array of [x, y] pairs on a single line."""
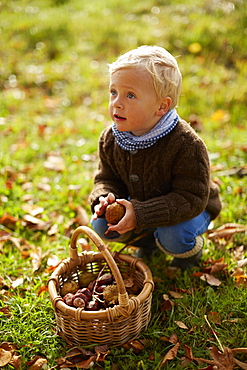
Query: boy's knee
{"points": [[174, 239]]}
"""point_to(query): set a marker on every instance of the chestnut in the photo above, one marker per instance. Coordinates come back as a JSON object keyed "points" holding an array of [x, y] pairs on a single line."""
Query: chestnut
{"points": [[86, 292], [68, 299], [105, 279], [80, 300], [93, 306]]}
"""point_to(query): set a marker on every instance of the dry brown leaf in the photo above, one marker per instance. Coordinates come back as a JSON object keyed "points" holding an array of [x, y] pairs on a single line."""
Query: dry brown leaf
{"points": [[188, 352], [15, 362], [241, 364], [171, 354], [53, 230], [173, 338], [214, 317], [181, 325], [36, 258], [102, 352], [32, 209], [227, 231], [5, 357], [37, 364], [17, 282], [210, 279], [242, 263], [225, 360], [8, 221], [175, 294], [54, 163], [82, 217]]}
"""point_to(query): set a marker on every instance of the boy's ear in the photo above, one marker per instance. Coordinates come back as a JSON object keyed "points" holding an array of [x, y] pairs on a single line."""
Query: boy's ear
{"points": [[164, 106]]}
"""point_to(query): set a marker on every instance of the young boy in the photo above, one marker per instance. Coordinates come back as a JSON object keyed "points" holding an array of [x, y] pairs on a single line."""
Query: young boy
{"points": [[153, 162]]}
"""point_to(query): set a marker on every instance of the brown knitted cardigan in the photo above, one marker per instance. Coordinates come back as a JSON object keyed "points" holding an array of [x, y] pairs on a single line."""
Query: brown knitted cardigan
{"points": [[167, 183]]}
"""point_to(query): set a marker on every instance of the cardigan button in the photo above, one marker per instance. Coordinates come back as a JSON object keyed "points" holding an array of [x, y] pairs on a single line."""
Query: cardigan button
{"points": [[134, 178]]}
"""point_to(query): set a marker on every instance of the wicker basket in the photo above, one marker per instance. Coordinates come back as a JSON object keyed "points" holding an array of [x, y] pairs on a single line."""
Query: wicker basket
{"points": [[114, 325]]}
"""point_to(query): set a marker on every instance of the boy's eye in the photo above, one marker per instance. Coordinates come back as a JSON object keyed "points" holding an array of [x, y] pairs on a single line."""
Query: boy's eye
{"points": [[130, 95], [113, 92]]}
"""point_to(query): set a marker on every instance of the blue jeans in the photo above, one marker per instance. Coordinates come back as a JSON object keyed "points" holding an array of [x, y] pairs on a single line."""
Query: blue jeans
{"points": [[179, 238]]}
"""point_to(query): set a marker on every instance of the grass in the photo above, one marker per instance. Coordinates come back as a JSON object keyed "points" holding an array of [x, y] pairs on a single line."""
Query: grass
{"points": [[53, 101]]}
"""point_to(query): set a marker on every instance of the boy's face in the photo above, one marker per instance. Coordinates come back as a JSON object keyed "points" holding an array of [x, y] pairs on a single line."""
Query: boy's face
{"points": [[134, 105]]}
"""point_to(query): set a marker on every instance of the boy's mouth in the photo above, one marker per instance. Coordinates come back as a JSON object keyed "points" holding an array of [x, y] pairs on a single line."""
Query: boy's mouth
{"points": [[119, 118]]}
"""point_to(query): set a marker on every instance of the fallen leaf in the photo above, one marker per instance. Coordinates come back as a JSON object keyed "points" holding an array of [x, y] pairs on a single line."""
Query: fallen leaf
{"points": [[181, 324], [171, 354], [241, 364], [53, 230], [37, 364], [5, 357], [36, 258], [175, 294], [173, 338], [54, 163], [8, 221], [32, 209], [214, 317], [225, 360], [210, 279], [82, 217], [227, 231], [17, 282], [242, 263]]}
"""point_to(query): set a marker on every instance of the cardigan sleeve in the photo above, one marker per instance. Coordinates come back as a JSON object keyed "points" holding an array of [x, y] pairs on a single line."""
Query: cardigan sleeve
{"points": [[106, 179], [189, 191]]}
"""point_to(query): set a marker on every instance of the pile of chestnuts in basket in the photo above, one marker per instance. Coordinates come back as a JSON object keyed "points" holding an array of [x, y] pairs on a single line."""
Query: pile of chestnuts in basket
{"points": [[94, 293]]}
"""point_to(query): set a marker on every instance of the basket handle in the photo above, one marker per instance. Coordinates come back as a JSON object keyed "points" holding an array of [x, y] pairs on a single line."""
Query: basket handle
{"points": [[123, 296]]}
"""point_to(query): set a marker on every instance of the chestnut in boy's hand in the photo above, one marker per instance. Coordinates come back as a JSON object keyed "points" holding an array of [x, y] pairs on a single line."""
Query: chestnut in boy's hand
{"points": [[114, 212]]}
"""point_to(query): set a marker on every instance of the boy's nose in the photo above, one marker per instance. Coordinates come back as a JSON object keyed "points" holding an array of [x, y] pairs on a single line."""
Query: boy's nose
{"points": [[117, 103]]}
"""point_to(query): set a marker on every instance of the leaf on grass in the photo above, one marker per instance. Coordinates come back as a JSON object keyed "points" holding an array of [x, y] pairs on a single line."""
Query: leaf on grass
{"points": [[53, 260], [102, 352], [17, 282], [167, 304], [8, 355], [37, 363], [216, 267], [227, 231], [35, 223], [175, 294], [82, 217], [32, 209], [188, 352], [241, 364], [171, 354], [214, 317], [8, 221], [53, 230], [137, 346], [5, 357], [173, 338], [225, 360], [6, 311], [54, 163], [242, 263], [210, 279], [36, 258], [181, 325], [43, 186], [42, 289]]}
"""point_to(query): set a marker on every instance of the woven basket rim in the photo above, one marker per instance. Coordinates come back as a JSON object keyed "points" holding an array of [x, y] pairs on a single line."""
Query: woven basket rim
{"points": [[128, 306]]}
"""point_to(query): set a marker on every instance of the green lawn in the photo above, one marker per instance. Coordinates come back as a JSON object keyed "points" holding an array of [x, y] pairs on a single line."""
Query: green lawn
{"points": [[53, 106]]}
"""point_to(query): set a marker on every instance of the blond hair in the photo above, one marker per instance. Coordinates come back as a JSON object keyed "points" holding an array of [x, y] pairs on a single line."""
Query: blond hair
{"points": [[162, 66]]}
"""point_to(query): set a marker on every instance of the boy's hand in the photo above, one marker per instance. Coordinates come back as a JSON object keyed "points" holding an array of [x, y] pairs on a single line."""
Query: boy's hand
{"points": [[128, 222], [100, 208]]}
